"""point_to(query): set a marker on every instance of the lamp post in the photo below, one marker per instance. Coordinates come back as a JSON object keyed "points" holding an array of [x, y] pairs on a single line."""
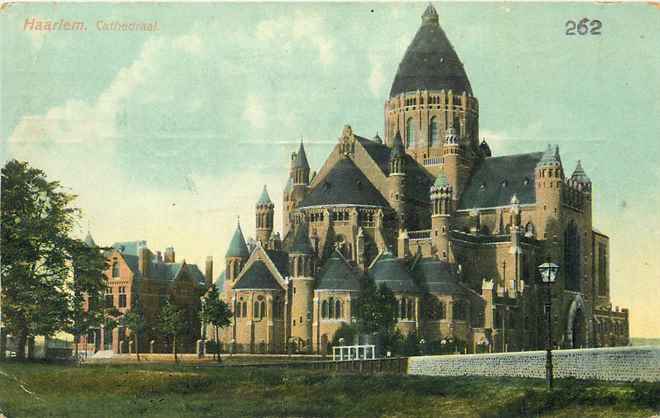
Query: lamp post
{"points": [[548, 273]]}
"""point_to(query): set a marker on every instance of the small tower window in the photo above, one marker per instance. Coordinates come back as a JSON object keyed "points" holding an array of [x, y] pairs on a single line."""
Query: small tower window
{"points": [[410, 133], [433, 131], [115, 269]]}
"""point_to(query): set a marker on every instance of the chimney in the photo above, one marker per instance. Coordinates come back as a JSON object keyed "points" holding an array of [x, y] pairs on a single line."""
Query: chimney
{"points": [[144, 261], [159, 257], [209, 270], [169, 255]]}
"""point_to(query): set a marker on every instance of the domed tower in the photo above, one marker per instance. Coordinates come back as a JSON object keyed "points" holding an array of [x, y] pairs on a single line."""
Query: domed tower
{"points": [[442, 209], [549, 177], [397, 180], [302, 269], [264, 214], [235, 258], [431, 93], [297, 186]]}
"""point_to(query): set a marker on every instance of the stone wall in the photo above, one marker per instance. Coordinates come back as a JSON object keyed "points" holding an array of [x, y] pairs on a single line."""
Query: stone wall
{"points": [[613, 363]]}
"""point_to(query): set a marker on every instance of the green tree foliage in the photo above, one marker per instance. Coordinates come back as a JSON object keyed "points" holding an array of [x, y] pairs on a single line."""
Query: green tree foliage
{"points": [[134, 321], [172, 323], [345, 331], [41, 294], [215, 312], [88, 285], [376, 310]]}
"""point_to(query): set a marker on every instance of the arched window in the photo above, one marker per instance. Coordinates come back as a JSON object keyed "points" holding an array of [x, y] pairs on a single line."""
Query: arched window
{"points": [[244, 313], [337, 309], [262, 309], [411, 309], [459, 310], [115, 269], [529, 230], [257, 312], [331, 303], [324, 310], [433, 132], [410, 133], [404, 308], [572, 257]]}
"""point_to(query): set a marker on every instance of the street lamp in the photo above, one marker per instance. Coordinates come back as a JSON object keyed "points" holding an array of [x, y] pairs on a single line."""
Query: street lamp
{"points": [[548, 273]]}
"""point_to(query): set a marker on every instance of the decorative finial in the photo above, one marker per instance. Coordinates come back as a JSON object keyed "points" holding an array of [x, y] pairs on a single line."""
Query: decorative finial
{"points": [[430, 15]]}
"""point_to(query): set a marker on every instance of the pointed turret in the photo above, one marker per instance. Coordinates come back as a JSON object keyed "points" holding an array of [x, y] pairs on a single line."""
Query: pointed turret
{"points": [[89, 241], [485, 149], [579, 175], [265, 212], [397, 155], [441, 211], [549, 179], [237, 245], [301, 242], [301, 158]]}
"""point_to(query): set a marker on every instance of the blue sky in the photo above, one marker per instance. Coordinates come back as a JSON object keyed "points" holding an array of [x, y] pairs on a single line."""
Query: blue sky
{"points": [[168, 136]]}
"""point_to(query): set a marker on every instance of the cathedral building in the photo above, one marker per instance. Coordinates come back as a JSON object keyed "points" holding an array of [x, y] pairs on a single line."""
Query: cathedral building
{"points": [[455, 232]]}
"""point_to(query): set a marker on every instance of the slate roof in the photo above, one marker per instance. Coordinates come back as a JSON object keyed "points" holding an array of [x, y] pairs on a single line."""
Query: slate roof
{"points": [[441, 181], [237, 245], [345, 184], [430, 62], [196, 273], [394, 273], [435, 276], [257, 277], [497, 179], [301, 243], [89, 241], [337, 275], [129, 247], [378, 152], [579, 174], [264, 199], [280, 259], [301, 158], [133, 263]]}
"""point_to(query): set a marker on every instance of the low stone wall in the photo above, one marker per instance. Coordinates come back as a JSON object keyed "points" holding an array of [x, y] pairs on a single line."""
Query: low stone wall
{"points": [[612, 363]]}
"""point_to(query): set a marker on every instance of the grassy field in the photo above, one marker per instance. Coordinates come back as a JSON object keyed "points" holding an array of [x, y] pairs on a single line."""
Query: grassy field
{"points": [[44, 390]]}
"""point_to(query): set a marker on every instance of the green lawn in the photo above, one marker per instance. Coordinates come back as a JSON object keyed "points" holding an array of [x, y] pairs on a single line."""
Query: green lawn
{"points": [[182, 391]]}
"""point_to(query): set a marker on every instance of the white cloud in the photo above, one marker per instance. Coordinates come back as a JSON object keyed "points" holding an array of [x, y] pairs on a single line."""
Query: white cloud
{"points": [[191, 43], [307, 28], [377, 76], [254, 111]]}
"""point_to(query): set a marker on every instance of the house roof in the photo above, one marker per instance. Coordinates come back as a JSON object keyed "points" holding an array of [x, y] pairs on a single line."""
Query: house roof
{"points": [[345, 184], [336, 274], [393, 272], [280, 259], [430, 62], [497, 179], [257, 276], [436, 276]]}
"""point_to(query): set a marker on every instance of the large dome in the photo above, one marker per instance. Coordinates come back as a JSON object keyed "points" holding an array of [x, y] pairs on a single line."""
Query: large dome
{"points": [[430, 62]]}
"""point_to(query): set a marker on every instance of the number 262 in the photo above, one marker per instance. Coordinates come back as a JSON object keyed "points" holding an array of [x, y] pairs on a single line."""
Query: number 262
{"points": [[583, 27]]}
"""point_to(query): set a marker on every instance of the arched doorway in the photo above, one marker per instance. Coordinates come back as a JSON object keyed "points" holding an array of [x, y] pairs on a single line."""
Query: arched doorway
{"points": [[576, 330], [578, 334]]}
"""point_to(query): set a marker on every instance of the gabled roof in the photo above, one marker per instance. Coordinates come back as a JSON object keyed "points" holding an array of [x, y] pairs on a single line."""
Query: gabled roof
{"points": [[497, 179], [281, 261], [436, 276], [336, 274], [345, 184], [393, 272], [430, 62], [133, 263], [257, 276], [378, 152], [237, 245]]}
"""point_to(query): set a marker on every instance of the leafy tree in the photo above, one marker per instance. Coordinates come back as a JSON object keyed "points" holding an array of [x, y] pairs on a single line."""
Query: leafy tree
{"points": [[215, 312], [345, 331], [171, 323], [376, 310], [37, 218], [134, 320], [88, 285]]}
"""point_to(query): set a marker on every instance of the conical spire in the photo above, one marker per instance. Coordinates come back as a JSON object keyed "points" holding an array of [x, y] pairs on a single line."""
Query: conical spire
{"points": [[440, 181], [264, 199], [89, 241], [237, 245], [301, 158], [397, 146], [579, 174]]}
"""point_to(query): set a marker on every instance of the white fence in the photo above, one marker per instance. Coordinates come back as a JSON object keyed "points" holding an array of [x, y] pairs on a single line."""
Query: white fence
{"points": [[354, 352]]}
